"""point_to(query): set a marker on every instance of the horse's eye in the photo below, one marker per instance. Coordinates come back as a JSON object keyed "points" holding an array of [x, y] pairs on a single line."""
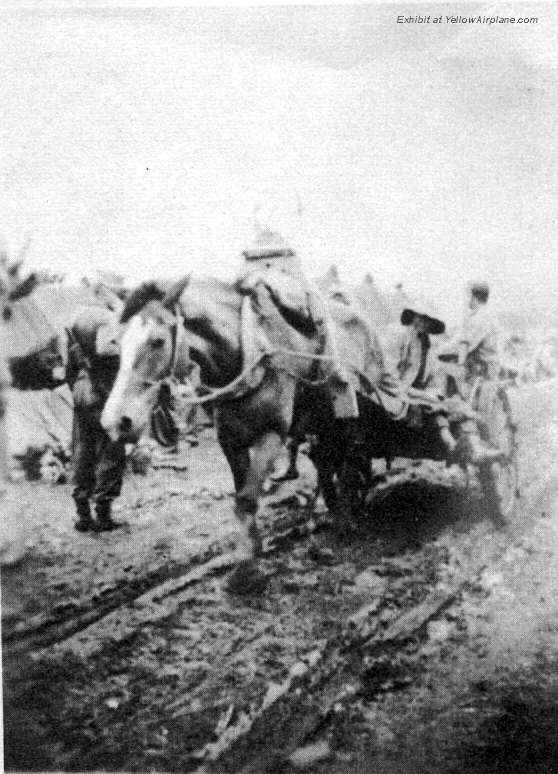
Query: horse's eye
{"points": [[158, 343]]}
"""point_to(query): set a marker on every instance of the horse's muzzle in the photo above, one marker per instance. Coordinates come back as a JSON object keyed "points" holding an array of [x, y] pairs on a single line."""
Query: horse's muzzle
{"points": [[122, 430], [125, 431], [125, 426]]}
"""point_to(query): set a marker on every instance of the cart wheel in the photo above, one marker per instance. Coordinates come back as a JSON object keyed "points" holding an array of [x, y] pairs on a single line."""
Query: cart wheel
{"points": [[499, 480]]}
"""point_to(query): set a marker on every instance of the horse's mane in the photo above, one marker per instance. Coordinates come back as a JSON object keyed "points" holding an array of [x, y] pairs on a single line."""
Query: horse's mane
{"points": [[138, 298], [206, 289]]}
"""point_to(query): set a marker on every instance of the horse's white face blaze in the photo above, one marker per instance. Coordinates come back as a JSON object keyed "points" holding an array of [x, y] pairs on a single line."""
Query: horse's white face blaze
{"points": [[145, 353]]}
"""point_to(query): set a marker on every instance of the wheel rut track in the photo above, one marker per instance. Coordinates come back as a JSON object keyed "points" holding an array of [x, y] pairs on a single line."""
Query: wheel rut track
{"points": [[245, 732], [234, 735], [42, 631], [294, 711]]}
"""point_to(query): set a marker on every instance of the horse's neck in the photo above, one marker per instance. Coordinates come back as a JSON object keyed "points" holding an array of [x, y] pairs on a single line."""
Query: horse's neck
{"points": [[211, 312]]}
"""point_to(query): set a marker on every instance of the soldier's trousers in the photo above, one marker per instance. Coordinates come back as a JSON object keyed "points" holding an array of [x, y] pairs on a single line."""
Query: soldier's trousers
{"points": [[98, 462]]}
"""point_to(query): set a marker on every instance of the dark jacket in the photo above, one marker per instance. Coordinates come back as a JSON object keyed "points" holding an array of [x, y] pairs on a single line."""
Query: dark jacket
{"points": [[83, 359]]}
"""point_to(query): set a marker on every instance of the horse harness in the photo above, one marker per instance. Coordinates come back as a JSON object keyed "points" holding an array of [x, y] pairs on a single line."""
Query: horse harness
{"points": [[238, 388]]}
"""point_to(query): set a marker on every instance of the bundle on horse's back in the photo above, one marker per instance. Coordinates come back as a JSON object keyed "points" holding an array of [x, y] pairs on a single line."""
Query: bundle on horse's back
{"points": [[357, 345], [292, 312], [276, 293]]}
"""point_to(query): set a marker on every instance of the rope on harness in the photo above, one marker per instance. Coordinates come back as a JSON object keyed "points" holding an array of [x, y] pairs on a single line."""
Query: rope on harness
{"points": [[219, 393], [229, 390], [319, 358]]}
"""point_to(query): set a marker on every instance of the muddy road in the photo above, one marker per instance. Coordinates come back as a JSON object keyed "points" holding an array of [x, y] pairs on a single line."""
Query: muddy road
{"points": [[126, 652]]}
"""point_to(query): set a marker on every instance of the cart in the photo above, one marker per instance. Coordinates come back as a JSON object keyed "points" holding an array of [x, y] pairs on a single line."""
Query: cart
{"points": [[483, 408]]}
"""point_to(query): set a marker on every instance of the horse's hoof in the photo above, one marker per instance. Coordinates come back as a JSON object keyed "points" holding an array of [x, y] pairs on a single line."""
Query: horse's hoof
{"points": [[247, 578], [84, 525], [320, 554], [107, 525], [319, 508]]}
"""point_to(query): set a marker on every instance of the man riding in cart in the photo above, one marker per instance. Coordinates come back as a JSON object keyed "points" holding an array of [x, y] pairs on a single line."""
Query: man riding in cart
{"points": [[478, 342], [416, 368], [421, 377], [475, 350]]}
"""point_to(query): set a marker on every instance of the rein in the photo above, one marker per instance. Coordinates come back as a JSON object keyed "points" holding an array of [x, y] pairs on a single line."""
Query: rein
{"points": [[230, 390], [218, 393]]}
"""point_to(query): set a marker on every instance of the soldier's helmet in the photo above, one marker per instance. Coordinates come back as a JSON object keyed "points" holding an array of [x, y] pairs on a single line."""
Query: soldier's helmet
{"points": [[426, 309], [270, 250]]}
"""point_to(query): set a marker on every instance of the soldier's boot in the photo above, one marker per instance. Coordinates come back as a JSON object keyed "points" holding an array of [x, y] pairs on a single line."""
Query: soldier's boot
{"points": [[105, 521], [291, 472], [472, 449], [446, 436], [448, 440], [84, 521]]}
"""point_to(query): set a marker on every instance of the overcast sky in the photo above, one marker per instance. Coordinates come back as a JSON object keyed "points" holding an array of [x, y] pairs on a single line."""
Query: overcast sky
{"points": [[139, 140]]}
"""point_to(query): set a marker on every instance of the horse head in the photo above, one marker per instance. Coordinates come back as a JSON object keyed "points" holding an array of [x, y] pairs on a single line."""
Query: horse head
{"points": [[148, 349]]}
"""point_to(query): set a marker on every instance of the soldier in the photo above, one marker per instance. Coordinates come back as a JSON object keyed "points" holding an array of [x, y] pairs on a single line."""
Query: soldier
{"points": [[477, 356], [416, 367], [478, 342], [98, 462]]}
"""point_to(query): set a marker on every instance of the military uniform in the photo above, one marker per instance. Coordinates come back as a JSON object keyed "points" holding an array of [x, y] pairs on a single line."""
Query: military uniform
{"points": [[480, 336], [99, 462], [417, 370], [478, 353], [415, 365]]}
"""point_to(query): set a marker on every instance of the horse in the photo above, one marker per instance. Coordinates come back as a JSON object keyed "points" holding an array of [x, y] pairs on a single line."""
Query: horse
{"points": [[166, 329]]}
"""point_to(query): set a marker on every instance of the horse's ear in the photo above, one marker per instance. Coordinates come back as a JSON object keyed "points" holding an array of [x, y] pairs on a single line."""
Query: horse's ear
{"points": [[172, 296], [13, 268], [25, 288]]}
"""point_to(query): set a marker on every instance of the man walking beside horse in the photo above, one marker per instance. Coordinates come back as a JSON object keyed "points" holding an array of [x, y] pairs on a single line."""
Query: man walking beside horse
{"points": [[99, 462]]}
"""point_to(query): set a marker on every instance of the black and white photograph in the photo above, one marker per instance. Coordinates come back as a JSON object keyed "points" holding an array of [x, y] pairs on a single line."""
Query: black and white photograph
{"points": [[279, 387]]}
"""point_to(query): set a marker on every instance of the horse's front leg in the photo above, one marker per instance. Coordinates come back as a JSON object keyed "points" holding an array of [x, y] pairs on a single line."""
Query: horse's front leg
{"points": [[250, 467], [238, 458], [263, 455]]}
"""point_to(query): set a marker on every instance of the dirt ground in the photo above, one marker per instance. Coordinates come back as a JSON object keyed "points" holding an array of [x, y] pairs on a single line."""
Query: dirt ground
{"points": [[126, 652]]}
